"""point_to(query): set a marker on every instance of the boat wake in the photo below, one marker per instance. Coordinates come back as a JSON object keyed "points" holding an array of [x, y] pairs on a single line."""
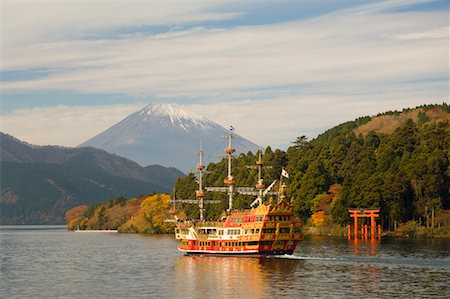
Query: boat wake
{"points": [[296, 257]]}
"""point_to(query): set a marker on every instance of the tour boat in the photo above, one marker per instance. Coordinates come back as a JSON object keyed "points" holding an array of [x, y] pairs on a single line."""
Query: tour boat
{"points": [[269, 227]]}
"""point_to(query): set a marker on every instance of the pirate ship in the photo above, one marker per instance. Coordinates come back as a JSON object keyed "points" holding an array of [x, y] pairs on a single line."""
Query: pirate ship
{"points": [[267, 228]]}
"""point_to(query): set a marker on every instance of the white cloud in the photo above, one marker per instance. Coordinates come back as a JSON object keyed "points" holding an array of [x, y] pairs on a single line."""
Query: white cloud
{"points": [[279, 122], [333, 52], [32, 21], [273, 82], [274, 122], [379, 6], [63, 125], [437, 33]]}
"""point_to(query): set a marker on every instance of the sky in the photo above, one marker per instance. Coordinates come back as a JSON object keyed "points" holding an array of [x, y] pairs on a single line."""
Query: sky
{"points": [[275, 70]]}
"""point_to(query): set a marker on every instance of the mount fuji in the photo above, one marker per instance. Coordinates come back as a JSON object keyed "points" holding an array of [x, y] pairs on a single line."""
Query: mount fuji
{"points": [[167, 135]]}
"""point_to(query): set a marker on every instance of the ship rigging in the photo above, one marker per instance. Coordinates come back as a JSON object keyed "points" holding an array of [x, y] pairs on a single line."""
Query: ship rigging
{"points": [[267, 228]]}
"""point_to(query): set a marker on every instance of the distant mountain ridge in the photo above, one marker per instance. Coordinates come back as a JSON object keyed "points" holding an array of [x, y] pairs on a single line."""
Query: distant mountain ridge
{"points": [[14, 150], [39, 183], [165, 134]]}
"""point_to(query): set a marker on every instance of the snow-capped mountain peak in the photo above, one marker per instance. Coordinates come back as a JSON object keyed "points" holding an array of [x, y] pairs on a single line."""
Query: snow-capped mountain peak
{"points": [[177, 116], [165, 134]]}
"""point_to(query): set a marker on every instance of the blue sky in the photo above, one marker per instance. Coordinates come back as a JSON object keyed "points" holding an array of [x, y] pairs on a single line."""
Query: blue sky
{"points": [[274, 69]]}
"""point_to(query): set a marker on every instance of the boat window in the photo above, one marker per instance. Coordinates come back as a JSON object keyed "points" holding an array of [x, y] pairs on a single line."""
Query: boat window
{"points": [[257, 231], [251, 243]]}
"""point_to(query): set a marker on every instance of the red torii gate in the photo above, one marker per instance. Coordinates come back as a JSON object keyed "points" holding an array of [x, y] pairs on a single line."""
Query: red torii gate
{"points": [[375, 230]]}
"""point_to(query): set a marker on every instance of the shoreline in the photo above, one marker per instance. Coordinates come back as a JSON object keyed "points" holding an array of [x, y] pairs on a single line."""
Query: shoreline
{"points": [[405, 231], [96, 230], [325, 231]]}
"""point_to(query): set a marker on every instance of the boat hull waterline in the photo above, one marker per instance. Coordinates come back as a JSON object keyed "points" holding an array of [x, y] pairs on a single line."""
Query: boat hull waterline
{"points": [[266, 229]]}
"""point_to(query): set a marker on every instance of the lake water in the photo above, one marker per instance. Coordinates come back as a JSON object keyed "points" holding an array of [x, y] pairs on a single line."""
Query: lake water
{"points": [[49, 262]]}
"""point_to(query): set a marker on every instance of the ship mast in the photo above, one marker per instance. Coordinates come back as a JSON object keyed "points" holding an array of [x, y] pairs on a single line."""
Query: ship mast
{"points": [[200, 193], [231, 189], [259, 184], [230, 180]]}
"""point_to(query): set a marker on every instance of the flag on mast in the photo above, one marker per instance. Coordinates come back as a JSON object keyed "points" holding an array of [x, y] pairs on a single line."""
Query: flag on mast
{"points": [[284, 173]]}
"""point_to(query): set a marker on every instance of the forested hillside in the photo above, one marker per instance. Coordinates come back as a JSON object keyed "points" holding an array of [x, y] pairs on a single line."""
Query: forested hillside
{"points": [[397, 161], [39, 193], [142, 214], [40, 183]]}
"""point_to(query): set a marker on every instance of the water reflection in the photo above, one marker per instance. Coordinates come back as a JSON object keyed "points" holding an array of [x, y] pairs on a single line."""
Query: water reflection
{"points": [[49, 263], [196, 276], [365, 247]]}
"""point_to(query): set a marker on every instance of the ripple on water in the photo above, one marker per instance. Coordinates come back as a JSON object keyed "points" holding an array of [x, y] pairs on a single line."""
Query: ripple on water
{"points": [[41, 262]]}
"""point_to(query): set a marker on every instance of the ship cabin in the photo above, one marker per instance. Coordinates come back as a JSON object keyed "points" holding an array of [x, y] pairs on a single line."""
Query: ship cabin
{"points": [[270, 227]]}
